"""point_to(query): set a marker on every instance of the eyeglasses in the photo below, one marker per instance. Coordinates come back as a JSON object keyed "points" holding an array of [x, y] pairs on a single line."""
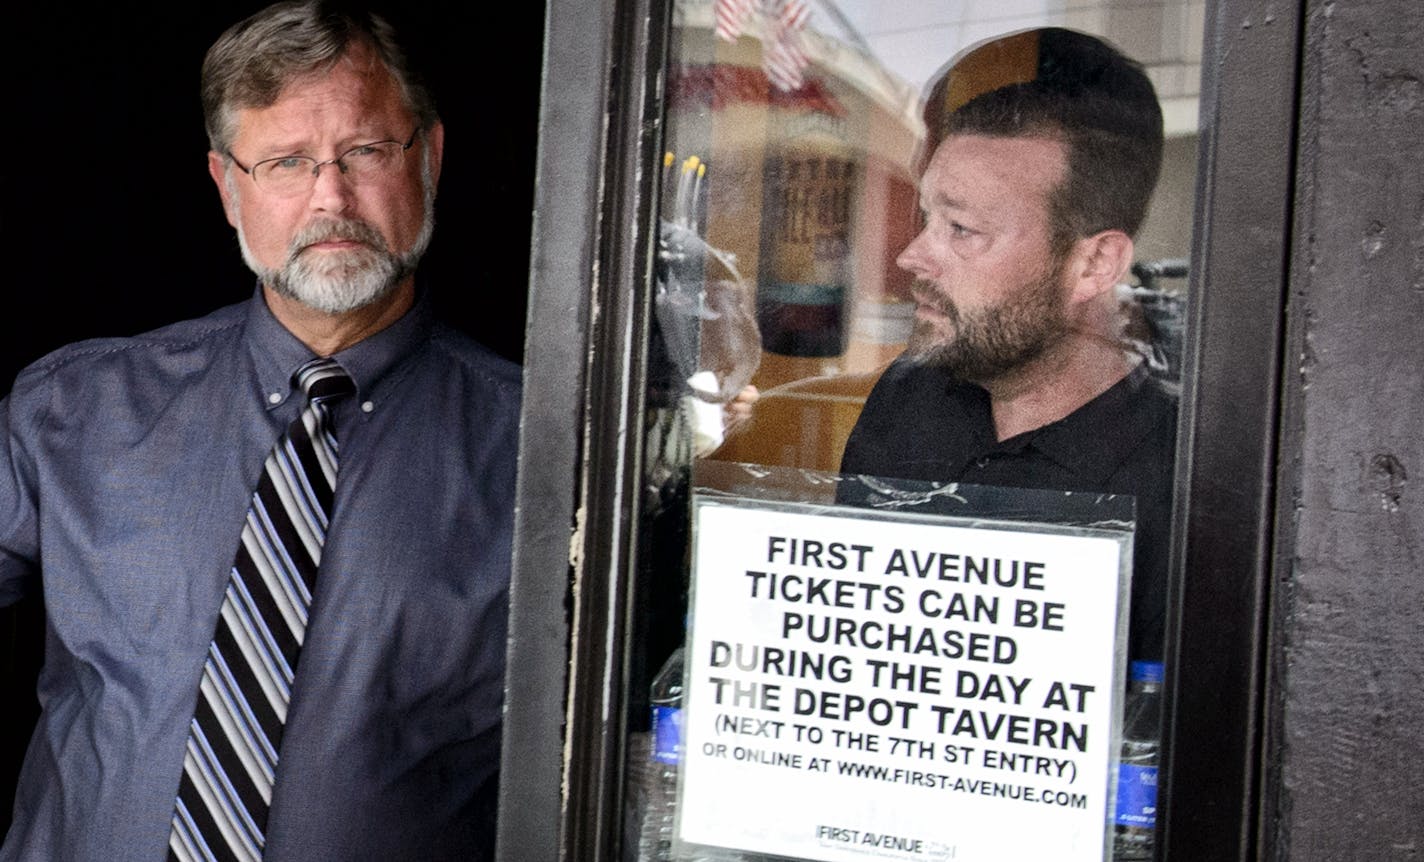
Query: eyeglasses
{"points": [[290, 176]]}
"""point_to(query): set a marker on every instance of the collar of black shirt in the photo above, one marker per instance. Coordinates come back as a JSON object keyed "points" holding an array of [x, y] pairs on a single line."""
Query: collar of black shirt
{"points": [[1092, 440]]}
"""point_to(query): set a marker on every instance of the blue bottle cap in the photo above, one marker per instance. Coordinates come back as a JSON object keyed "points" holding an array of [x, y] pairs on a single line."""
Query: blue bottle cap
{"points": [[1145, 671]]}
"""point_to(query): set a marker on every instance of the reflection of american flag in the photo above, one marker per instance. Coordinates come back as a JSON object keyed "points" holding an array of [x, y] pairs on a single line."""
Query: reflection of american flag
{"points": [[730, 17], [784, 55]]}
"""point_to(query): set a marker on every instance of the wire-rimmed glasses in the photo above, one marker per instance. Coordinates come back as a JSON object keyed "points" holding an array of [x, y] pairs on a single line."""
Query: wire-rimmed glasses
{"points": [[290, 176]]}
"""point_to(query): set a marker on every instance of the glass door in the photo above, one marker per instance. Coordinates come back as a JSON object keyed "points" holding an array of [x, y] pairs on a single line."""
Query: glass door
{"points": [[849, 255], [878, 232]]}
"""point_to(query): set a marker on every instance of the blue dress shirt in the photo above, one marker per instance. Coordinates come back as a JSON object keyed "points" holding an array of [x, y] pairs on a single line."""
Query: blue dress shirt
{"points": [[126, 466]]}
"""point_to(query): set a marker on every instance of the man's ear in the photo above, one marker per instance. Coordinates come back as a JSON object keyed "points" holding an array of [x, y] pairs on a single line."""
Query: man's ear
{"points": [[218, 171], [435, 140], [1098, 263]]}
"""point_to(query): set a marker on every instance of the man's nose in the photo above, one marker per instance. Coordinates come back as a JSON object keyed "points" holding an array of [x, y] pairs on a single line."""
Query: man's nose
{"points": [[331, 187], [912, 259]]}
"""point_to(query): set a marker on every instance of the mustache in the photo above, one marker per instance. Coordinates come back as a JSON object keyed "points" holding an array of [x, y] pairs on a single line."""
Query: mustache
{"points": [[927, 295], [346, 230]]}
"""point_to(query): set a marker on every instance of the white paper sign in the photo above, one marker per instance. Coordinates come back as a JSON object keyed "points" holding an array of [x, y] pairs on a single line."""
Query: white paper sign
{"points": [[862, 688]]}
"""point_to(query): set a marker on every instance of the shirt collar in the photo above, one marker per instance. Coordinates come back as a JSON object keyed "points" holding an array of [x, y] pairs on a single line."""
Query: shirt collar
{"points": [[1095, 439], [1091, 441], [277, 353]]}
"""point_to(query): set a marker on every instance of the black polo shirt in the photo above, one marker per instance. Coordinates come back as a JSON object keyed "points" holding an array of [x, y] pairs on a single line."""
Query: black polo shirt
{"points": [[920, 424]]}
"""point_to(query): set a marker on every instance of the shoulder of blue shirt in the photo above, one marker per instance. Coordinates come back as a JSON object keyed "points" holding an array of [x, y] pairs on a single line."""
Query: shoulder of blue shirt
{"points": [[198, 332]]}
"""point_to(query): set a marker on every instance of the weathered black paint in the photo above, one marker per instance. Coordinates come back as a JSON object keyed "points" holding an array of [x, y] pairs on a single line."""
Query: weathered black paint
{"points": [[1222, 543], [562, 786], [1348, 645], [569, 175]]}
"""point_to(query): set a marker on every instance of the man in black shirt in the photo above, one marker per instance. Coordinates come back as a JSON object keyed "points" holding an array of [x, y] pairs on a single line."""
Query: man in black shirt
{"points": [[1044, 148]]}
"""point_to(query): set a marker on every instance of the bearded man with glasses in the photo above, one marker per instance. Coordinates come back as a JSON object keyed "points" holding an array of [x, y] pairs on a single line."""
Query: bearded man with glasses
{"points": [[335, 692]]}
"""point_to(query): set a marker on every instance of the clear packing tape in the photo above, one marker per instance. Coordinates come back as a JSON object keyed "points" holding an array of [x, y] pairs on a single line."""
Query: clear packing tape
{"points": [[706, 337]]}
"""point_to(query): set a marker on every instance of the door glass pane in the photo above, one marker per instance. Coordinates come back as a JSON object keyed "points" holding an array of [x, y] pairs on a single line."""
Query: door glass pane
{"points": [[919, 241]]}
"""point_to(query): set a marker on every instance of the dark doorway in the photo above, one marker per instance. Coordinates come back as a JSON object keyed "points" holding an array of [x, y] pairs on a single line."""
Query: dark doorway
{"points": [[110, 225]]}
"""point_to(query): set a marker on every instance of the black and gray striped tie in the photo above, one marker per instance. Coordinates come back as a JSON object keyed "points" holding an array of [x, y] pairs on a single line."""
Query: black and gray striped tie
{"points": [[236, 732]]}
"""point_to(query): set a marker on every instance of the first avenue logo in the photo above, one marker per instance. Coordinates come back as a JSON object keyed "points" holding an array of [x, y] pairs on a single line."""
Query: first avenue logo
{"points": [[883, 844]]}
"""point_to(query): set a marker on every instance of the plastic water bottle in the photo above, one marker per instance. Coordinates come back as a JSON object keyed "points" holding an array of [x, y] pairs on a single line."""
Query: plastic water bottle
{"points": [[660, 816], [655, 843], [1136, 816]]}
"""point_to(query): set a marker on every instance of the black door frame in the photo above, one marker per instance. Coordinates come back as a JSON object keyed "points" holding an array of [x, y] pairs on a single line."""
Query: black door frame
{"points": [[1212, 796]]}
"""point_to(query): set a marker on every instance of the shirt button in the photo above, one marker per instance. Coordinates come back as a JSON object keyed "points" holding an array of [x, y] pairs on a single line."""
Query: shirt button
{"points": [[274, 398], [982, 462], [367, 406]]}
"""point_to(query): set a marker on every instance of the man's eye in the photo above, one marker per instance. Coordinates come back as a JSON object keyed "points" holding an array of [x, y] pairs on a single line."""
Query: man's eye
{"points": [[288, 165], [959, 230], [363, 152]]}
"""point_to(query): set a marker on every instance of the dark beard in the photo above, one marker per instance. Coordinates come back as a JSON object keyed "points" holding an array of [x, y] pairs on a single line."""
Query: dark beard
{"points": [[992, 342]]}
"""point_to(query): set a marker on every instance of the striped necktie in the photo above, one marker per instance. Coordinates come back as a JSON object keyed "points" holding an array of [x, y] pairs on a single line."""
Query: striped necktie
{"points": [[236, 732]]}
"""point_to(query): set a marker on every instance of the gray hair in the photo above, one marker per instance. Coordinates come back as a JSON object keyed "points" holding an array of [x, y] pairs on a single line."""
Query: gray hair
{"points": [[253, 60]]}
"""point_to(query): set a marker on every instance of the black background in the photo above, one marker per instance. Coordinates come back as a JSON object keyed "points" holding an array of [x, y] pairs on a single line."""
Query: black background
{"points": [[110, 224]]}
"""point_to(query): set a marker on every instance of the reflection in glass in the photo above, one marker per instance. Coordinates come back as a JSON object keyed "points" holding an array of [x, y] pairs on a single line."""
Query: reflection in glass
{"points": [[796, 136]]}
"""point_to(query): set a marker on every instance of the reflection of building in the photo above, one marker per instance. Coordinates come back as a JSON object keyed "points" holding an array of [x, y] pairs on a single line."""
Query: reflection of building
{"points": [[1164, 35], [810, 179], [815, 177], [811, 144]]}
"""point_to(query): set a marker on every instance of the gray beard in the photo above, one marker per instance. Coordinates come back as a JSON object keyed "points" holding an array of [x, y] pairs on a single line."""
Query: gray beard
{"points": [[339, 282], [991, 342]]}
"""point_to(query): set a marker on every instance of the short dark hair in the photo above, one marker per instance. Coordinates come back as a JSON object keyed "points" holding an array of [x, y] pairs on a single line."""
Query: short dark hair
{"points": [[1067, 86], [252, 61]]}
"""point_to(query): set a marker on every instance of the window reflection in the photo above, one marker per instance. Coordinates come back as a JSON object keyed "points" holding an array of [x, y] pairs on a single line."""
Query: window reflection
{"points": [[807, 190]]}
